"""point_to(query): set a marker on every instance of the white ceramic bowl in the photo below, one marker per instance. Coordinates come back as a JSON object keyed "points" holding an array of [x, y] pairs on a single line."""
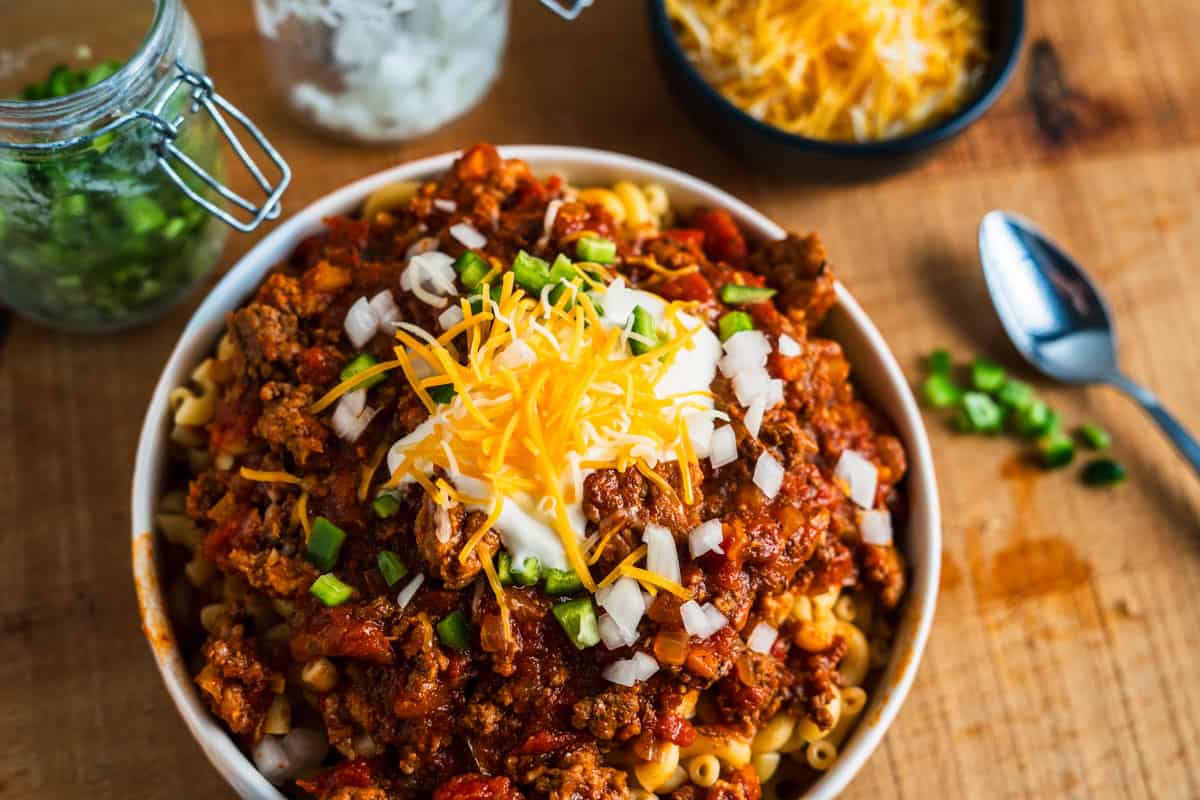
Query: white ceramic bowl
{"points": [[875, 372]]}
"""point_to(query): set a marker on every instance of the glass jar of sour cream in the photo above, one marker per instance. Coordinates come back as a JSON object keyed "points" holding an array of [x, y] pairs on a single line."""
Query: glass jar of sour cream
{"points": [[382, 70], [111, 160]]}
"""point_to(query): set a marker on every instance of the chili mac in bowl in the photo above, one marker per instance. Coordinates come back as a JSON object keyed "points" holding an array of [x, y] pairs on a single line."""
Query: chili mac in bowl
{"points": [[533, 472]]}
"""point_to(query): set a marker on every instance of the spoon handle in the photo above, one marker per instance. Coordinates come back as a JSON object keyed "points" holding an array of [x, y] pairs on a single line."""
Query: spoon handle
{"points": [[1183, 441]]}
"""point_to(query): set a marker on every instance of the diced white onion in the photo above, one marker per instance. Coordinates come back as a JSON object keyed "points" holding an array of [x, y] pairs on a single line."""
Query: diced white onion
{"points": [[354, 402], [442, 204], [701, 621], [706, 537], [548, 221], [745, 350], [722, 448], [410, 589], [622, 673], [774, 394], [876, 527], [352, 415], [716, 620], [858, 476], [662, 558], [272, 760], [768, 475], [644, 665], [385, 308], [788, 346], [515, 355], [361, 322], [450, 317], [282, 758], [629, 671], [750, 383], [762, 638], [624, 603], [467, 236], [694, 621], [612, 635], [551, 214], [754, 415], [430, 277]]}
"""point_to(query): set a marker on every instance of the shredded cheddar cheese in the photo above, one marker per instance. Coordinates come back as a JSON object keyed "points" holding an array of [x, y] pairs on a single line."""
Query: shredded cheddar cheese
{"points": [[268, 476], [844, 70], [645, 576], [545, 392]]}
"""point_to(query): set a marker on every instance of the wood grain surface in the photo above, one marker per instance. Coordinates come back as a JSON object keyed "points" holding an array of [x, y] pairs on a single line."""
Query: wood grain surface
{"points": [[1066, 651]]}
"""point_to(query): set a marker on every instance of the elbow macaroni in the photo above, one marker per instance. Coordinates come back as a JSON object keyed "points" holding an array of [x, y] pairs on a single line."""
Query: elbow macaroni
{"points": [[854, 665], [195, 408], [636, 208], [730, 750], [704, 770], [653, 774], [388, 197]]}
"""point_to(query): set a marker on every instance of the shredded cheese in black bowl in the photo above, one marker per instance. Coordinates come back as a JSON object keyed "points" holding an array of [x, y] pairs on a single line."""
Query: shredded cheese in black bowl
{"points": [[837, 89]]}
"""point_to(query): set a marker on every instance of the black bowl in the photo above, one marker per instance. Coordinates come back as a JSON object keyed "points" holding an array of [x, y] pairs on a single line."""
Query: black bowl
{"points": [[763, 145]]}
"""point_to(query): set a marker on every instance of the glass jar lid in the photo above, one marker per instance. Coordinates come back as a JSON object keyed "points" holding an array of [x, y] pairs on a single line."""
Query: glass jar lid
{"points": [[148, 37]]}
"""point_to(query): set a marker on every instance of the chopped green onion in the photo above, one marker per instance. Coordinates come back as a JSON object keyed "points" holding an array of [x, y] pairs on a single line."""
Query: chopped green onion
{"points": [[1096, 437], [391, 567], [939, 362], [986, 376], [329, 590], [1014, 394], [596, 249], [979, 414], [563, 270], [531, 273], [472, 268], [941, 392], [1103, 472], [528, 573], [1036, 419], [442, 394], [361, 363], [386, 505], [734, 294], [1056, 449], [452, 631], [734, 322], [142, 214], [563, 275], [324, 544], [495, 292], [562, 581], [578, 621], [642, 325], [504, 569]]}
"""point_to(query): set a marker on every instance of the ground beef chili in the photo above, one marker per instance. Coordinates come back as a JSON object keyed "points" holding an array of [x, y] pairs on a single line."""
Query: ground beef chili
{"points": [[524, 715]]}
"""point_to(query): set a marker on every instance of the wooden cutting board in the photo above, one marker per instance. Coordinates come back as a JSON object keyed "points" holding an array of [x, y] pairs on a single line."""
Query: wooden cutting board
{"points": [[1066, 652]]}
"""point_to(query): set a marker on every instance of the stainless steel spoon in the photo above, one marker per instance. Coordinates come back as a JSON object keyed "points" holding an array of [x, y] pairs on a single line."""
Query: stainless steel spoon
{"points": [[1056, 317]]}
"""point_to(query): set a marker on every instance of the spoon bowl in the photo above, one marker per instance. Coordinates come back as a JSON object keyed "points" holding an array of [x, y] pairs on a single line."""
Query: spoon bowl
{"points": [[1049, 307], [1057, 318]]}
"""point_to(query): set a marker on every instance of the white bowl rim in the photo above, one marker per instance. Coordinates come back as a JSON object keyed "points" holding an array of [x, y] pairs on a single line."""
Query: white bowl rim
{"points": [[200, 335]]}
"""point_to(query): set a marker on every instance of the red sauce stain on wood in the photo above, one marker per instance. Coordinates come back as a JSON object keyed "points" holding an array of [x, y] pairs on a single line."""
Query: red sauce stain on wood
{"points": [[1031, 563], [1033, 567]]}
